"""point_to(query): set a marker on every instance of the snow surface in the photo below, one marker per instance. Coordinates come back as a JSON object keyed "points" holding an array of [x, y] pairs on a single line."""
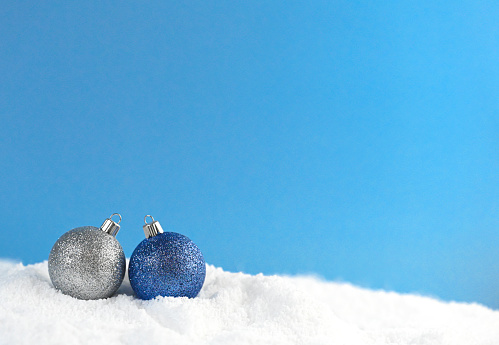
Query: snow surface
{"points": [[235, 308]]}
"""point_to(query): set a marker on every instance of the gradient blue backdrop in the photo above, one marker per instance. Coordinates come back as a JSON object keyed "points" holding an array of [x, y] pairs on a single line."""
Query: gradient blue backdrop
{"points": [[354, 140]]}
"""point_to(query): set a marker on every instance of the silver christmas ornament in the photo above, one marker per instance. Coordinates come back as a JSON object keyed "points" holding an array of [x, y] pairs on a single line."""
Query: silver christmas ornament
{"points": [[88, 262]]}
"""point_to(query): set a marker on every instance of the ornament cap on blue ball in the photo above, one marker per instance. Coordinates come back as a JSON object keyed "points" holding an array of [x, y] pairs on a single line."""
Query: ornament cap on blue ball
{"points": [[88, 262], [166, 264]]}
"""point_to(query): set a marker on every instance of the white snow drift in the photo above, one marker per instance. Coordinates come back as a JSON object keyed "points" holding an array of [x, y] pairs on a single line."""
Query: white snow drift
{"points": [[235, 308]]}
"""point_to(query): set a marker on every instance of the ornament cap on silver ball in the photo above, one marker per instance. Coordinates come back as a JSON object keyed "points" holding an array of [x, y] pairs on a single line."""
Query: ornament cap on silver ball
{"points": [[153, 228], [110, 226]]}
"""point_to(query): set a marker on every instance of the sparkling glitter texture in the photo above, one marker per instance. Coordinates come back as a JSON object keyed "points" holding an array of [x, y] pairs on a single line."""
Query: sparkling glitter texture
{"points": [[168, 264], [87, 263]]}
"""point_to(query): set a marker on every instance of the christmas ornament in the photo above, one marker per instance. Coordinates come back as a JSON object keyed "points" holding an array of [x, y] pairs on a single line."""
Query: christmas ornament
{"points": [[166, 264], [88, 262]]}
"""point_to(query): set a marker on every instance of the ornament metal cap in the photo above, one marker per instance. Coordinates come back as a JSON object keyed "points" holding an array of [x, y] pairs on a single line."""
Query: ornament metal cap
{"points": [[110, 226], [153, 228]]}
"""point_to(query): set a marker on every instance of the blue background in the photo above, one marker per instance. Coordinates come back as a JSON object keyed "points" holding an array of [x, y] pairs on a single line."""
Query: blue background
{"points": [[354, 140]]}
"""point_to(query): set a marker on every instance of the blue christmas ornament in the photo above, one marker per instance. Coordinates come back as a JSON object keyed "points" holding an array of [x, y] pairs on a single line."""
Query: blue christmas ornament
{"points": [[166, 264]]}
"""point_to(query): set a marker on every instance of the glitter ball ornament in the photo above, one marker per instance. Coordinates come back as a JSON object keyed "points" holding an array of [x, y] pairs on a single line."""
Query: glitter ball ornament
{"points": [[88, 262], [166, 264]]}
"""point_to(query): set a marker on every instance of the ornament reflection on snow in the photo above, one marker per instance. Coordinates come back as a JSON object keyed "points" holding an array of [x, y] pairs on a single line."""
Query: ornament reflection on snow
{"points": [[166, 264], [88, 262]]}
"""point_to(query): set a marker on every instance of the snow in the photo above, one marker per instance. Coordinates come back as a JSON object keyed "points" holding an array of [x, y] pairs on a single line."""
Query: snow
{"points": [[235, 308]]}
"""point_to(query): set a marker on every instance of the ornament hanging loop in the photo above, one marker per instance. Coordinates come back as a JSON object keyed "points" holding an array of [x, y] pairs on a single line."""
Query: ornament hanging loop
{"points": [[151, 229], [110, 226], [115, 214], [145, 218]]}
